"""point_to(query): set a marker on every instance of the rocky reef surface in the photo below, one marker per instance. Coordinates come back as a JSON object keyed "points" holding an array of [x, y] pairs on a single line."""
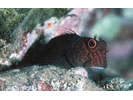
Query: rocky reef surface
{"points": [[53, 78], [46, 78]]}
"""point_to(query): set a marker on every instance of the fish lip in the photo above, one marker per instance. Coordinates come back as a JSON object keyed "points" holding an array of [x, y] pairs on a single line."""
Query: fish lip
{"points": [[97, 69]]}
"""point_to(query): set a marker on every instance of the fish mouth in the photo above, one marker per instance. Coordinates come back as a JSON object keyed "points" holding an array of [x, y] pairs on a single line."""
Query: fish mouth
{"points": [[96, 69]]}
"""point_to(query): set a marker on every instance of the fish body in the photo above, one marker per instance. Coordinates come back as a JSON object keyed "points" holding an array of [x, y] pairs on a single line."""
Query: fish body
{"points": [[68, 51]]}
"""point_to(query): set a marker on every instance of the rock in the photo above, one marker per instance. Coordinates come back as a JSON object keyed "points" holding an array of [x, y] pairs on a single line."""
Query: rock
{"points": [[45, 78], [118, 84]]}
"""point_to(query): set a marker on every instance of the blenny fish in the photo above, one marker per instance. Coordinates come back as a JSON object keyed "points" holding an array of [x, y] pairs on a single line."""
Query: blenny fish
{"points": [[68, 51]]}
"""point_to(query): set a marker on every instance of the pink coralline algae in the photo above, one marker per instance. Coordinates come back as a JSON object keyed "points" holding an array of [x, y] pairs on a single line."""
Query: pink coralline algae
{"points": [[73, 21]]}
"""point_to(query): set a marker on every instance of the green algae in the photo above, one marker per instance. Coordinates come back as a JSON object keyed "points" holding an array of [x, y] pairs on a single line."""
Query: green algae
{"points": [[9, 20], [13, 20]]}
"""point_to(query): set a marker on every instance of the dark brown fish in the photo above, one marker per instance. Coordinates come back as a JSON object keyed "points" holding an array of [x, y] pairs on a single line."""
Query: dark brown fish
{"points": [[68, 51]]}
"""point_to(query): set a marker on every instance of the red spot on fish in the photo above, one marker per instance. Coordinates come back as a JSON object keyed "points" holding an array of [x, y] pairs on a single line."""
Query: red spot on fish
{"points": [[97, 59], [91, 57], [100, 57]]}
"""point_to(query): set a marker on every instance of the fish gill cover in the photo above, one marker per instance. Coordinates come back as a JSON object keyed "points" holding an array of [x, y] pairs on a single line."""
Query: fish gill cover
{"points": [[66, 49]]}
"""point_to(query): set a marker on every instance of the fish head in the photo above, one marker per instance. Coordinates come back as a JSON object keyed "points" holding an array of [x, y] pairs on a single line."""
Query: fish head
{"points": [[89, 53], [97, 50]]}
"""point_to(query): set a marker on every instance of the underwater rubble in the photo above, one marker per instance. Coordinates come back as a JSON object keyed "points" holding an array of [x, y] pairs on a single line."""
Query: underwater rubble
{"points": [[119, 84], [45, 78], [53, 78]]}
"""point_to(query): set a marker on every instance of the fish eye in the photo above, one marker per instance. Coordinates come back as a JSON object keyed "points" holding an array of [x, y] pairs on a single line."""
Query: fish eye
{"points": [[92, 43]]}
